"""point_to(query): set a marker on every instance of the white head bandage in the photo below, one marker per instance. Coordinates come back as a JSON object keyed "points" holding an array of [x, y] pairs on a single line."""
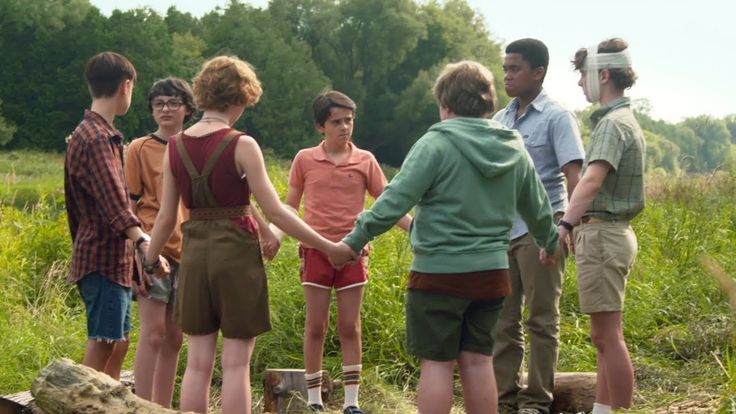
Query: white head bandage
{"points": [[595, 61]]}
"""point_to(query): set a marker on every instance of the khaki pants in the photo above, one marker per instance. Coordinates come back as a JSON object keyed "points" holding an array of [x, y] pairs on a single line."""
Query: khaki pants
{"points": [[539, 289]]}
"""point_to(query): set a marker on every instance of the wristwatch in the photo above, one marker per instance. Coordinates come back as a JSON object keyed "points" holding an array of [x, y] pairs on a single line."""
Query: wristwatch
{"points": [[566, 225], [144, 238]]}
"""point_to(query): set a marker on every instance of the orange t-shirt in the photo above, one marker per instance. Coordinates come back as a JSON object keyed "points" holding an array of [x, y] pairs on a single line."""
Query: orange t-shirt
{"points": [[334, 194], [144, 174]]}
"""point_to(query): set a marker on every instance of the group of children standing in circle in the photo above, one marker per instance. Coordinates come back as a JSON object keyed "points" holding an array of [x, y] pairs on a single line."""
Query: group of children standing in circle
{"points": [[201, 271]]}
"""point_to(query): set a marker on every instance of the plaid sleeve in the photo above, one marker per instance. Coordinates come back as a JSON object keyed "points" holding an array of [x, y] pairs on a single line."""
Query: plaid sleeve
{"points": [[106, 184], [606, 144]]}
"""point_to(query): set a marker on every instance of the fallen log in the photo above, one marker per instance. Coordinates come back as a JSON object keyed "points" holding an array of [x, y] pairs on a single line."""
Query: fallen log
{"points": [[285, 390], [574, 392], [64, 387]]}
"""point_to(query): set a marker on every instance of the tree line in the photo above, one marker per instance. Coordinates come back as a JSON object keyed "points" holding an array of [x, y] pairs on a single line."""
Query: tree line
{"points": [[385, 54]]}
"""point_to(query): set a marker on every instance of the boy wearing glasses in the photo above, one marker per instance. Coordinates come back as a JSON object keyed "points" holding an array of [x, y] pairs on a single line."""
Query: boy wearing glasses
{"points": [[171, 103]]}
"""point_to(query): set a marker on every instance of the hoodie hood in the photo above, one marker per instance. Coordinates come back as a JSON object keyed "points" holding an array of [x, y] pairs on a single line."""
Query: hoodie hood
{"points": [[488, 145]]}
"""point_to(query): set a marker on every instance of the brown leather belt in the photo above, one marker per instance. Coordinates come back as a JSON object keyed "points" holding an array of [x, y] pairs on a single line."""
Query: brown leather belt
{"points": [[597, 219], [219, 213]]}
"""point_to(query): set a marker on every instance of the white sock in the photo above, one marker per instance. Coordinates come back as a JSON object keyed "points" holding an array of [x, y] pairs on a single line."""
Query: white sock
{"points": [[314, 387], [601, 409], [351, 382]]}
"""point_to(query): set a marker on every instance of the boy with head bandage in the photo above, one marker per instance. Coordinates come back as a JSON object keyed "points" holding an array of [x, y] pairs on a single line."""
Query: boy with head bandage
{"points": [[609, 195]]}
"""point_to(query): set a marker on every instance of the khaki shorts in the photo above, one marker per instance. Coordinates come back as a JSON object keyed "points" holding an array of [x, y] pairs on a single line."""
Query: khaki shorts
{"points": [[604, 253]]}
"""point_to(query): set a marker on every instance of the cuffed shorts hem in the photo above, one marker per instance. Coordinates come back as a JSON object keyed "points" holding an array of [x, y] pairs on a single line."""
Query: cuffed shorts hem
{"points": [[108, 308]]}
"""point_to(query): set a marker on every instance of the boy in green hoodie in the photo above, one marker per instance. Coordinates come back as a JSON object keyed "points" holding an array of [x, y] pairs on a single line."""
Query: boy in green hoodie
{"points": [[468, 177]]}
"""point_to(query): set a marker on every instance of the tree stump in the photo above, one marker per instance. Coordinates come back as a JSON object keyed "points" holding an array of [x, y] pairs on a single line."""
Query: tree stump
{"points": [[574, 391], [66, 387], [285, 390]]}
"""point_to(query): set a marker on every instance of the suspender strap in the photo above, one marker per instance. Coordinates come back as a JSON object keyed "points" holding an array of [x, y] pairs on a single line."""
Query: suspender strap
{"points": [[207, 170], [201, 194]]}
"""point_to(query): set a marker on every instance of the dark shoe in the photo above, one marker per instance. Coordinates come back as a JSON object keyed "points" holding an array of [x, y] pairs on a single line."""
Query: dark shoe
{"points": [[315, 408], [352, 410]]}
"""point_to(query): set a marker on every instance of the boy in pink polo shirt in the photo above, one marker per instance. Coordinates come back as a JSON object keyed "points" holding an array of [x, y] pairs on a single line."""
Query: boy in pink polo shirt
{"points": [[334, 177]]}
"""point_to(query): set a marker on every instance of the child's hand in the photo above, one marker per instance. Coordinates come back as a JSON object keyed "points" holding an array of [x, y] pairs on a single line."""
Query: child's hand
{"points": [[270, 244], [159, 268], [342, 254], [143, 279]]}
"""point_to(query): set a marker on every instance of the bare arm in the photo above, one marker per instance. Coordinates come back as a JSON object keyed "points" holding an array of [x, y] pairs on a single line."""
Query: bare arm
{"points": [[404, 223], [572, 175], [585, 192], [167, 214], [249, 159], [293, 200], [270, 244]]}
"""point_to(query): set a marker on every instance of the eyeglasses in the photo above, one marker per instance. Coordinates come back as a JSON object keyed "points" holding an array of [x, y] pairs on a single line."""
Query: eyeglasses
{"points": [[172, 104]]}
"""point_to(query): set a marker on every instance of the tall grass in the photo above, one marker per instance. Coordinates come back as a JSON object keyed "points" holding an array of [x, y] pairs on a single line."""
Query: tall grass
{"points": [[678, 323]]}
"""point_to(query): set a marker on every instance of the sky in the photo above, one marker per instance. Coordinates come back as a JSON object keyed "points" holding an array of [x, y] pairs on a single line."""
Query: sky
{"points": [[682, 51]]}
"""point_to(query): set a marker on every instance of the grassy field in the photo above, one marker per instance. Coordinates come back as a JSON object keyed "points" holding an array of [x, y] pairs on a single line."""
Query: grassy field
{"points": [[679, 325]]}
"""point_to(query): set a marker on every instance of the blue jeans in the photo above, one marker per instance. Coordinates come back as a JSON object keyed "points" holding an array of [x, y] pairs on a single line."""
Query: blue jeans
{"points": [[108, 307]]}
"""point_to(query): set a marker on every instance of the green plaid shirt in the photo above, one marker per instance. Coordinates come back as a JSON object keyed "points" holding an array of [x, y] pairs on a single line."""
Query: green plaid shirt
{"points": [[618, 140]]}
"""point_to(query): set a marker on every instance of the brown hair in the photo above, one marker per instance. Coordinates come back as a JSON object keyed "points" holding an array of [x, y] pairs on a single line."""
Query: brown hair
{"points": [[466, 88], [173, 87], [324, 102], [623, 78], [105, 72], [225, 81]]}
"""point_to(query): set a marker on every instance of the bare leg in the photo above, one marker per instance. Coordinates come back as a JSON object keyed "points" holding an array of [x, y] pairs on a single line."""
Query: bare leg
{"points": [[349, 302], [195, 387], [435, 387], [115, 363], [97, 354], [168, 361], [618, 372], [151, 314], [315, 327], [236, 394], [601, 383], [479, 383]]}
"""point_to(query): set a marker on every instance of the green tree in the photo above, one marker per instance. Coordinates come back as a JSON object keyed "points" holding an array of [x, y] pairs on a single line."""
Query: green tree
{"points": [[7, 129], [291, 80], [42, 74], [662, 153], [453, 32], [681, 135], [730, 121], [716, 141]]}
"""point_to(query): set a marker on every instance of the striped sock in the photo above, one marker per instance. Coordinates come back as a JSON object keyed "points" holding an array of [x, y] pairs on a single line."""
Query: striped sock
{"points": [[314, 387], [351, 382]]}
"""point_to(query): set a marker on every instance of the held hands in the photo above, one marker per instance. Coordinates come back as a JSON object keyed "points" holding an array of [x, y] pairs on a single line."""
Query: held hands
{"points": [[341, 254], [144, 280], [548, 260], [159, 268], [270, 243]]}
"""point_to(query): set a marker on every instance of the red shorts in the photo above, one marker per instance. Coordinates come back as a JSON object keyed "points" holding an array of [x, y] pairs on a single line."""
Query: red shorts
{"points": [[317, 271]]}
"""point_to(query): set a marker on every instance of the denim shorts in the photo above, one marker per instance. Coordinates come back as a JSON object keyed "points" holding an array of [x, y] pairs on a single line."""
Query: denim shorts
{"points": [[108, 307], [163, 289]]}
